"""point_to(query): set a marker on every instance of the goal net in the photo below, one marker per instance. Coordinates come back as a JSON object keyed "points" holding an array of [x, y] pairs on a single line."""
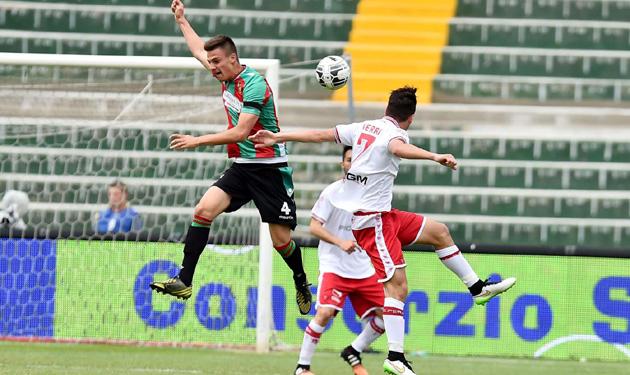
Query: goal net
{"points": [[70, 126]]}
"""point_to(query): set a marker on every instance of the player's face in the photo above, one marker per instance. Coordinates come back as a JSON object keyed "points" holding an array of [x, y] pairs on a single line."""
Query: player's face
{"points": [[224, 66], [347, 161]]}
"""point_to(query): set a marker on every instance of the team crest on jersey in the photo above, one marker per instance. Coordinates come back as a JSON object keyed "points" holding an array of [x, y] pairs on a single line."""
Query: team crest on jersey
{"points": [[232, 102]]}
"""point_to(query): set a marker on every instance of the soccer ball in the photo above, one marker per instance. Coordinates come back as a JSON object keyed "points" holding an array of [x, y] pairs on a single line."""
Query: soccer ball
{"points": [[332, 72]]}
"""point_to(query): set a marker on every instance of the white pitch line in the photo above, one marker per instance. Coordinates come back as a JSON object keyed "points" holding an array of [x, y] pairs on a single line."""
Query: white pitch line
{"points": [[136, 369]]}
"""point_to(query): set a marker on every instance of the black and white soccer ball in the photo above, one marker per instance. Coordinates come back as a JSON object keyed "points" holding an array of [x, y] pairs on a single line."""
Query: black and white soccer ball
{"points": [[332, 72]]}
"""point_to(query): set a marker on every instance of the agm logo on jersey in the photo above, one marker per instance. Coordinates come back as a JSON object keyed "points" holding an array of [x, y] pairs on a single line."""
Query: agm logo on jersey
{"points": [[358, 178]]}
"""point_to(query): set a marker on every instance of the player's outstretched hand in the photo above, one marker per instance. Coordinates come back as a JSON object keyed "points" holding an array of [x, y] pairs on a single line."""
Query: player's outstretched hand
{"points": [[183, 142], [447, 160], [263, 138], [177, 7]]}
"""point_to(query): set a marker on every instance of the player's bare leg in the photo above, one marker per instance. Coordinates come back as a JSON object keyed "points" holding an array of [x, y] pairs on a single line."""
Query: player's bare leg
{"points": [[213, 203], [438, 235], [292, 255], [395, 295]]}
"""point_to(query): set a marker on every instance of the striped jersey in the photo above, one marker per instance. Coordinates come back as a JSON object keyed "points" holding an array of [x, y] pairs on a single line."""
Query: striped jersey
{"points": [[250, 93]]}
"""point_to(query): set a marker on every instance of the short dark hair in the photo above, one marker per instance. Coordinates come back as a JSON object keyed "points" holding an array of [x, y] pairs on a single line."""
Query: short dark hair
{"points": [[345, 149], [402, 103], [118, 184], [221, 41]]}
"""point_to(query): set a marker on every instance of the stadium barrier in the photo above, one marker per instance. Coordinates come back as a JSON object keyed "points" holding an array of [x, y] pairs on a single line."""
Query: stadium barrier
{"points": [[97, 291]]}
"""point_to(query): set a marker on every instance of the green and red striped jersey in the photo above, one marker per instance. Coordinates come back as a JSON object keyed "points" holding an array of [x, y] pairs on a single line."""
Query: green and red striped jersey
{"points": [[250, 93]]}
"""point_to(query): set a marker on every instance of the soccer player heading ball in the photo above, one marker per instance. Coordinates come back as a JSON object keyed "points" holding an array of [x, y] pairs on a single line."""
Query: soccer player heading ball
{"points": [[377, 148], [258, 174]]}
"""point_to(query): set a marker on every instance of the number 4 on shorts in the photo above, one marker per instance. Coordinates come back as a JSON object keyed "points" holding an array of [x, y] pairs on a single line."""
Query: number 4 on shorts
{"points": [[285, 208]]}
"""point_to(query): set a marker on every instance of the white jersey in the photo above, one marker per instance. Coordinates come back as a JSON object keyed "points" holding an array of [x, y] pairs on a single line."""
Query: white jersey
{"points": [[338, 222], [369, 184]]}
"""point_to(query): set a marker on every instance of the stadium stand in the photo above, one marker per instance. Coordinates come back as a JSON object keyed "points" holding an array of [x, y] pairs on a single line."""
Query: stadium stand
{"points": [[559, 187]]}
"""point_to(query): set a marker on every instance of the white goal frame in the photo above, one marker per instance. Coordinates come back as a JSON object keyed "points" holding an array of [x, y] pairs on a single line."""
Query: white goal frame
{"points": [[271, 70]]}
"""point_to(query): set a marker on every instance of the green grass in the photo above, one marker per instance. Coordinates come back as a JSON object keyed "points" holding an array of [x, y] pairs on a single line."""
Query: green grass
{"points": [[51, 359]]}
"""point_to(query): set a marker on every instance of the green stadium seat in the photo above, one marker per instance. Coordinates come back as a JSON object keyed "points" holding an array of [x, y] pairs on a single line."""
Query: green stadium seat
{"points": [[502, 35], [264, 28], [605, 67], [465, 35], [524, 90], [289, 55], [42, 45], [458, 231], [449, 88], [561, 92], [143, 48], [486, 89], [456, 63], [77, 47], [550, 9], [538, 206], [178, 49], [483, 149], [486, 232], [123, 23], [402, 201], [586, 9], [90, 22], [471, 8], [407, 174], [540, 36], [547, 178], [428, 203], [11, 45], [453, 146], [508, 9], [519, 149], [620, 152], [577, 37], [614, 39], [510, 177], [435, 175], [494, 63], [598, 236], [465, 204], [618, 180], [562, 235], [555, 150], [603, 92], [473, 176], [300, 28], [575, 207], [584, 179], [592, 151], [568, 66], [502, 205], [163, 24], [618, 11], [531, 65], [524, 234], [230, 25], [19, 19], [613, 208]]}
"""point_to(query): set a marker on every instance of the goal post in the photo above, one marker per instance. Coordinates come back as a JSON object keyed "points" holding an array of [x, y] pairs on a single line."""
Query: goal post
{"points": [[17, 79]]}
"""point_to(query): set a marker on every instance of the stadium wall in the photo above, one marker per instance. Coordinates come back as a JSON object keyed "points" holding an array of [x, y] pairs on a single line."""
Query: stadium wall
{"points": [[562, 307]]}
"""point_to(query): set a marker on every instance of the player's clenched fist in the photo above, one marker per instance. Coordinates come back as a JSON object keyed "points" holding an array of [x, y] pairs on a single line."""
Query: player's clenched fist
{"points": [[446, 160], [183, 142], [177, 7], [263, 138]]}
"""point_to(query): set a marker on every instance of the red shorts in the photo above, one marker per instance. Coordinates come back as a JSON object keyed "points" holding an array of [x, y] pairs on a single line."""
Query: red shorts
{"points": [[382, 235], [366, 294]]}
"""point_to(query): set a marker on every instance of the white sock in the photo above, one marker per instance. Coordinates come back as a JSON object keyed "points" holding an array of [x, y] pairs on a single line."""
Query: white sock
{"points": [[394, 324], [454, 260], [311, 338], [372, 329]]}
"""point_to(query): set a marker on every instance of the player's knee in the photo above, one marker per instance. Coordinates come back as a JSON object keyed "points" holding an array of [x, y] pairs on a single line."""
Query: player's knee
{"points": [[324, 315], [205, 212], [442, 235]]}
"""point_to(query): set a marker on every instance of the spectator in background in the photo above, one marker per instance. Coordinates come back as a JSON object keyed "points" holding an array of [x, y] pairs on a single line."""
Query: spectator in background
{"points": [[13, 207], [118, 217]]}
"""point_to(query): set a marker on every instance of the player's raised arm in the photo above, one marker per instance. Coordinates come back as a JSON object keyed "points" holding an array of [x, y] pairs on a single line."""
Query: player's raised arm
{"points": [[265, 138], [195, 43], [408, 151]]}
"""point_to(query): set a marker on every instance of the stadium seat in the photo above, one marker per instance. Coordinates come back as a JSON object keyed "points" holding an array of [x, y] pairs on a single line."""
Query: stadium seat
{"points": [[483, 149], [522, 234], [539, 206], [562, 235], [576, 207], [584, 179], [539, 37], [618, 180], [510, 177], [502, 205], [465, 205], [473, 176], [486, 232], [547, 178], [598, 236]]}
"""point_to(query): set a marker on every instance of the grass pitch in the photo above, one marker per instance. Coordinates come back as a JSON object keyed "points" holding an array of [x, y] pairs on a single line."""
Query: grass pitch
{"points": [[52, 359]]}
